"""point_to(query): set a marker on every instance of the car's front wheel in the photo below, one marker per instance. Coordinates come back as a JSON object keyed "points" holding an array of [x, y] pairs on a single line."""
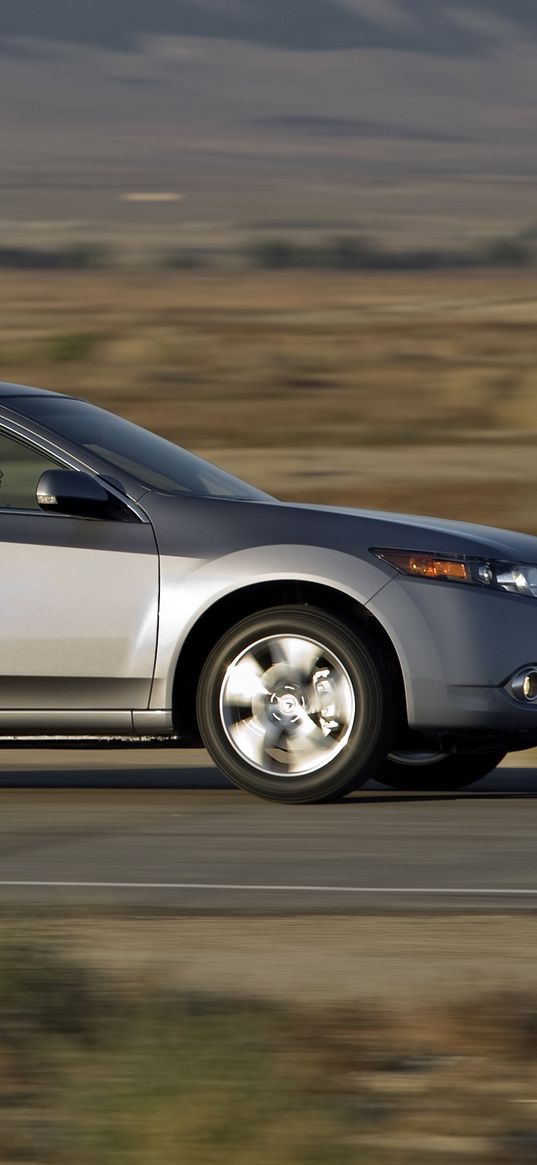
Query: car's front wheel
{"points": [[438, 771], [295, 706]]}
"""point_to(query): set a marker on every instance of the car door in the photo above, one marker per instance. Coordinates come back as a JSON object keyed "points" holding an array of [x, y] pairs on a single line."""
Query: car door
{"points": [[78, 607]]}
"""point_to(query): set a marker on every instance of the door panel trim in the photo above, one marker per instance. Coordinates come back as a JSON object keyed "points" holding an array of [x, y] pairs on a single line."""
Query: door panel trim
{"points": [[36, 528], [25, 693], [98, 722]]}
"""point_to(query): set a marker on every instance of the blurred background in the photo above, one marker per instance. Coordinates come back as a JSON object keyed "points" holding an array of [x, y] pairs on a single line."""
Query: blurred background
{"points": [[300, 238]]}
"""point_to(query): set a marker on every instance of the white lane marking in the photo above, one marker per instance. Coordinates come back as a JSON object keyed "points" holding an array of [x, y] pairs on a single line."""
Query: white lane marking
{"points": [[272, 889]]}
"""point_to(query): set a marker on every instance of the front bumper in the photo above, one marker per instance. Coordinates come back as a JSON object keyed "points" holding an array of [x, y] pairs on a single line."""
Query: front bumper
{"points": [[458, 646]]}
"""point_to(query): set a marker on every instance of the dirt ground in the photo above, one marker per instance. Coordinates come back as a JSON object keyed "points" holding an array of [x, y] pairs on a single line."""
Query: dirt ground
{"points": [[317, 959]]}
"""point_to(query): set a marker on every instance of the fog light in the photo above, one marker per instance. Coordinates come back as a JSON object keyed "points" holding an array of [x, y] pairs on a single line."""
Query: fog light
{"points": [[524, 685]]}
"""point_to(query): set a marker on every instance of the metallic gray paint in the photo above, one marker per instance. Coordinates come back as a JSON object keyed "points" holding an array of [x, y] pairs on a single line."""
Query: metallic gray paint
{"points": [[94, 615], [189, 587], [88, 615]]}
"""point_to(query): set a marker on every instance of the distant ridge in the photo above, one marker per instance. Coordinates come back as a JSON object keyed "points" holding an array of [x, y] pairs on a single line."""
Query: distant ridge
{"points": [[434, 26]]}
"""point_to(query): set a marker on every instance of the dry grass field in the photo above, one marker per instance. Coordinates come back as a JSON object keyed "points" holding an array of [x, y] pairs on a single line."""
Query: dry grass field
{"points": [[104, 1068], [414, 392]]}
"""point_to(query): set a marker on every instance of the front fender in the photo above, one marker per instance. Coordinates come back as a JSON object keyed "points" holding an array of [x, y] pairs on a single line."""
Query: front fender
{"points": [[190, 587]]}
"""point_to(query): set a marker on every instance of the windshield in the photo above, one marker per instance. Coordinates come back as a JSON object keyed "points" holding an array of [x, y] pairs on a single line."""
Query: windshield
{"points": [[153, 460]]}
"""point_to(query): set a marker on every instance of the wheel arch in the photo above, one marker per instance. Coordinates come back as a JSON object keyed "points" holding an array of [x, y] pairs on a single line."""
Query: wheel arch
{"points": [[249, 600]]}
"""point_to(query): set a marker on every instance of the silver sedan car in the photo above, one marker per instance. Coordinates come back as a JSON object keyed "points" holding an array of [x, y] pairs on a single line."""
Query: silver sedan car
{"points": [[146, 593]]}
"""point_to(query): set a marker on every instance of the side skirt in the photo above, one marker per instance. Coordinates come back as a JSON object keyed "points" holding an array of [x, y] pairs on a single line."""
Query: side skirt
{"points": [[66, 723]]}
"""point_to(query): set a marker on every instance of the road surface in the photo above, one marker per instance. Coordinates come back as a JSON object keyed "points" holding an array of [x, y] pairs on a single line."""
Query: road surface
{"points": [[164, 830]]}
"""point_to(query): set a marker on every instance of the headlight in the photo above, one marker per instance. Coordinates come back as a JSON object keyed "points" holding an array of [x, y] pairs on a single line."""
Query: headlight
{"points": [[518, 578], [522, 580]]}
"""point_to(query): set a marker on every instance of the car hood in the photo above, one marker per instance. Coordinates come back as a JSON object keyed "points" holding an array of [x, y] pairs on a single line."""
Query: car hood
{"points": [[438, 533], [209, 527]]}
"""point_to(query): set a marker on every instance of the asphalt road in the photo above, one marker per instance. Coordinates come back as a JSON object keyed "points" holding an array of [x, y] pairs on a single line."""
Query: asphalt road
{"points": [[163, 830]]}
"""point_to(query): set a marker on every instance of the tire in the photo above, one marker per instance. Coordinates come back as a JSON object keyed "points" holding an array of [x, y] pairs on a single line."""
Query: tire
{"points": [[291, 706], [440, 773]]}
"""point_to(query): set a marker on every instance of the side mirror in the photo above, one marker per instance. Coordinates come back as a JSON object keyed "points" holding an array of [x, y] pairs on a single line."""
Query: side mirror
{"points": [[66, 491]]}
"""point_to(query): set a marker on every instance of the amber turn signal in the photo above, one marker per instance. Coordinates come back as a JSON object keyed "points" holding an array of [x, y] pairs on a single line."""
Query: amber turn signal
{"points": [[427, 565]]}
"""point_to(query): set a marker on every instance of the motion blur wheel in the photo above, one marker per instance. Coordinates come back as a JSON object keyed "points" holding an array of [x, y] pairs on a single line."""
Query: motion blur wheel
{"points": [[437, 771], [291, 706]]}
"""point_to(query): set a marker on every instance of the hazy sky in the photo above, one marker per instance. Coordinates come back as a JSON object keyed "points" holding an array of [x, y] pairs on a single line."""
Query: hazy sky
{"points": [[392, 115], [441, 26]]}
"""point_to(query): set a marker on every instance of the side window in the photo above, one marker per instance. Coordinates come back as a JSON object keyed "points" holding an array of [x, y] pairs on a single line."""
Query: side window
{"points": [[21, 467]]}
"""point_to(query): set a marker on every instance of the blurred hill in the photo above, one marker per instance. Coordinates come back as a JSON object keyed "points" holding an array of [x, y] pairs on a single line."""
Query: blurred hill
{"points": [[414, 121]]}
